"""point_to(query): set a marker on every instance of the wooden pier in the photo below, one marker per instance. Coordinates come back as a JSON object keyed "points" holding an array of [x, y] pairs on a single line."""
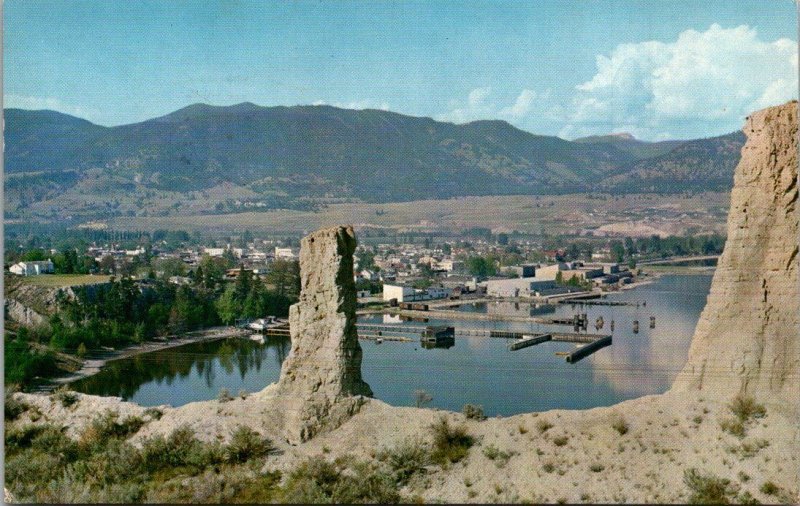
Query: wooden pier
{"points": [[587, 350], [529, 341], [599, 302], [591, 342]]}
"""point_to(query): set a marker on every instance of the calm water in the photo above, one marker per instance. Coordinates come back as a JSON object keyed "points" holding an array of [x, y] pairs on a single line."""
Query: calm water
{"points": [[477, 370]]}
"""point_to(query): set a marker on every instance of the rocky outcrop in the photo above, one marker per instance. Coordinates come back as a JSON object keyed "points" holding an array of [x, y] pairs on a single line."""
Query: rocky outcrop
{"points": [[320, 384], [748, 337]]}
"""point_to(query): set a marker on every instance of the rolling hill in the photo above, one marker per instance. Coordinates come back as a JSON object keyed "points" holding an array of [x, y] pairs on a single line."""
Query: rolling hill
{"points": [[283, 155]]}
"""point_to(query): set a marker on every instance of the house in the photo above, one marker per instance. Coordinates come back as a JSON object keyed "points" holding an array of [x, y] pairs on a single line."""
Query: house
{"points": [[284, 253], [214, 252], [409, 294], [33, 268]]}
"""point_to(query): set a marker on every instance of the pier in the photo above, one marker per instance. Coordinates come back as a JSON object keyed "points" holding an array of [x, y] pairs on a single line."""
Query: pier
{"points": [[592, 343]]}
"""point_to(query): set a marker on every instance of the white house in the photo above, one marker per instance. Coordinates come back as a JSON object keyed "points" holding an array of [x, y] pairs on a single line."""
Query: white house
{"points": [[285, 253], [214, 252], [409, 294], [32, 268]]}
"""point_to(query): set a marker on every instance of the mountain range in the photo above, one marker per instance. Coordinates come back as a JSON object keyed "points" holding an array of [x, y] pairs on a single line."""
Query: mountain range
{"points": [[282, 154]]}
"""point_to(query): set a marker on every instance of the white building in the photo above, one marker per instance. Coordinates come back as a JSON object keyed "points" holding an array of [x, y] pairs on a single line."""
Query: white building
{"points": [[409, 294], [32, 268], [284, 253], [399, 292], [522, 287], [214, 252]]}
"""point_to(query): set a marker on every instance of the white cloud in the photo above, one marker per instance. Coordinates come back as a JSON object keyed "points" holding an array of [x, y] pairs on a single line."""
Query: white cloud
{"points": [[703, 83], [480, 106], [521, 107], [53, 104], [358, 104]]}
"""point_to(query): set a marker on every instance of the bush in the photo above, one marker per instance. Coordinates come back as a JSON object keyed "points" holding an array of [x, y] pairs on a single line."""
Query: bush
{"points": [[13, 406], [733, 426], [473, 412], [153, 413], [65, 396], [596, 468], [224, 395], [245, 444], [769, 488], [543, 426], [450, 444], [745, 407], [320, 481], [181, 449], [620, 425], [560, 440], [108, 426], [498, 456], [405, 460], [707, 488]]}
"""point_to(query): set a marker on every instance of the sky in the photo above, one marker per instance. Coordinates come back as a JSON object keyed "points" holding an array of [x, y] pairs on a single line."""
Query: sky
{"points": [[656, 69]]}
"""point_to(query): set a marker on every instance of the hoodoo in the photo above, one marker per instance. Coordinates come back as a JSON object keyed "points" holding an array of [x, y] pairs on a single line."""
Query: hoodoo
{"points": [[320, 384], [748, 337]]}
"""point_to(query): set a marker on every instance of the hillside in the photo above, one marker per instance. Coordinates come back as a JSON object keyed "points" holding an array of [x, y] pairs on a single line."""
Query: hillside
{"points": [[278, 157]]}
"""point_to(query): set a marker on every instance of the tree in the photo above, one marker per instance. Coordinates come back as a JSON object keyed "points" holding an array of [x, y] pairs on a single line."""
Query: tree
{"points": [[228, 307], [617, 251]]}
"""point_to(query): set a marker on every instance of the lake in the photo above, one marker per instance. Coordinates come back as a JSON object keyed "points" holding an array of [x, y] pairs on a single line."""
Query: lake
{"points": [[476, 370]]}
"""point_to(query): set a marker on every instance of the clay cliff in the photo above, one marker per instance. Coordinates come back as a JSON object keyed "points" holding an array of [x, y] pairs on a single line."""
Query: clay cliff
{"points": [[748, 337], [320, 383]]}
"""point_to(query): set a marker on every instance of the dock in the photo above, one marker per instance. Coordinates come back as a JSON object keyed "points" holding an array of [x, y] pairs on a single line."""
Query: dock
{"points": [[529, 341], [584, 302], [587, 350], [591, 343]]}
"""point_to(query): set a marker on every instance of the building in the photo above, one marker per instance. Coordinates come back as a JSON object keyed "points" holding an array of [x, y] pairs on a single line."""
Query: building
{"points": [[551, 271], [33, 268], [409, 294], [284, 253], [214, 252], [522, 287]]}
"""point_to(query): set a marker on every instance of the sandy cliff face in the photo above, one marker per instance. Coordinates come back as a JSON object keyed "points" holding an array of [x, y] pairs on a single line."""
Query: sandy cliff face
{"points": [[321, 379], [748, 337]]}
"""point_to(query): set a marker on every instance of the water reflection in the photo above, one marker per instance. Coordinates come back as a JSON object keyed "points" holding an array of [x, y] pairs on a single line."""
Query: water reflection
{"points": [[191, 372], [476, 370]]}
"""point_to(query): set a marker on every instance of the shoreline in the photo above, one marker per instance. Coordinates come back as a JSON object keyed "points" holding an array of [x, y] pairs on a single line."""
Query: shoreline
{"points": [[92, 366]]}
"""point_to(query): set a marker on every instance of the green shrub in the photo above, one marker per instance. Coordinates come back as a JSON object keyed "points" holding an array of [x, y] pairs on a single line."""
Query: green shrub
{"points": [[320, 481], [733, 426], [108, 426], [560, 440], [707, 488], [450, 443], [65, 396], [745, 407], [548, 467], [13, 406], [543, 426], [498, 456], [245, 444], [224, 395], [620, 425], [596, 468], [153, 413], [473, 412], [769, 488], [405, 460], [181, 449]]}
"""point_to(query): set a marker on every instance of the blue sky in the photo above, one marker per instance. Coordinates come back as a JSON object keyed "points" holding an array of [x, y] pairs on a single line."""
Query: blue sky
{"points": [[658, 69]]}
